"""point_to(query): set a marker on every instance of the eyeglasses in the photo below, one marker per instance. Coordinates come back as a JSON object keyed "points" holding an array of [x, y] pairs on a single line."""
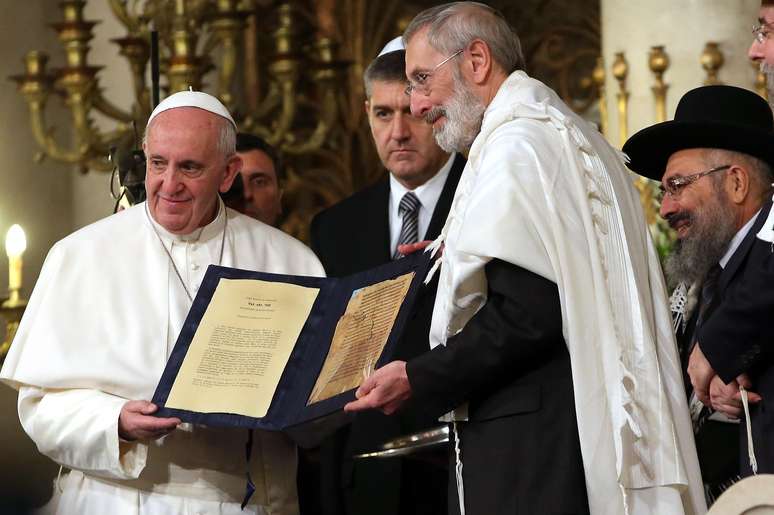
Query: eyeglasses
{"points": [[675, 185], [421, 81], [761, 32]]}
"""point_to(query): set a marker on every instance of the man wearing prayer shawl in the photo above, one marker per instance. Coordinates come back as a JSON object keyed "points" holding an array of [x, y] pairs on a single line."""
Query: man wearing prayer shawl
{"points": [[105, 314], [552, 341]]}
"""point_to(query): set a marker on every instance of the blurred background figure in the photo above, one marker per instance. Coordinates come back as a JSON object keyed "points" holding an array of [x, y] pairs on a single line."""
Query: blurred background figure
{"points": [[257, 190]]}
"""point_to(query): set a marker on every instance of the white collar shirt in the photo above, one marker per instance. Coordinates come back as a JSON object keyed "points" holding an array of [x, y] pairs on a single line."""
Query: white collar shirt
{"points": [[737, 240], [428, 195]]}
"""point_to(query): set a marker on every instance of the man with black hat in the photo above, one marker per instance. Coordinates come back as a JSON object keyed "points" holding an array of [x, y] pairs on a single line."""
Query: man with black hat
{"points": [[714, 161]]}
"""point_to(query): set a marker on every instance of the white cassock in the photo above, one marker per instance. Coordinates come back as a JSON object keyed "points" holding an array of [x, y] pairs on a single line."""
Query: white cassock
{"points": [[544, 191], [100, 324]]}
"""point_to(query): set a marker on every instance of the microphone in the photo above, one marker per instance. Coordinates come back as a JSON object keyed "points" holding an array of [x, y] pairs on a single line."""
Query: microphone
{"points": [[131, 174]]}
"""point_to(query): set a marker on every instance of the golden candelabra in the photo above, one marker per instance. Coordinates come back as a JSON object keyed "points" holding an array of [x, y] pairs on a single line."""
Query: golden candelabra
{"points": [[760, 81], [658, 61], [620, 72], [712, 60], [598, 77], [301, 78]]}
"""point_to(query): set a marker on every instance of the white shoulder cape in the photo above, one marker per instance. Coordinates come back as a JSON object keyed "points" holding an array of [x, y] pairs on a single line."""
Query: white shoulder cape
{"points": [[97, 317]]}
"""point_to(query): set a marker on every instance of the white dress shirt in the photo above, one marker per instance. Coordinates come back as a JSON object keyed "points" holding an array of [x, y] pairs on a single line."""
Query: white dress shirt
{"points": [[737, 240], [428, 194]]}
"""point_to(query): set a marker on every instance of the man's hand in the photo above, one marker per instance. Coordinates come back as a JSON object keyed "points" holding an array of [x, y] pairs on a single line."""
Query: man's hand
{"points": [[135, 422], [701, 373], [413, 247], [386, 389], [727, 399]]}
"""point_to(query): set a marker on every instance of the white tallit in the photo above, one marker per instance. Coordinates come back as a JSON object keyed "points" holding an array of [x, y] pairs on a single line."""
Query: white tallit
{"points": [[544, 191]]}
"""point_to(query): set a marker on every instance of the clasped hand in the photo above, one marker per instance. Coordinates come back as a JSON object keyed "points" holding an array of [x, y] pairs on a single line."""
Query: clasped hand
{"points": [[712, 391]]}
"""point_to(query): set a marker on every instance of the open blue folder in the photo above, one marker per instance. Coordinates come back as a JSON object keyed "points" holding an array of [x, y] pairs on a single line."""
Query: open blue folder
{"points": [[289, 412]]}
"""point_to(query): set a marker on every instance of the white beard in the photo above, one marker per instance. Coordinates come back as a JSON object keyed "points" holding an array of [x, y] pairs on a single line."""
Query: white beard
{"points": [[464, 113]]}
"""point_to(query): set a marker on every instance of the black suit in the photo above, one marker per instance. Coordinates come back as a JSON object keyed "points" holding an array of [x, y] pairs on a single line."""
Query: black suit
{"points": [[520, 447], [736, 336], [351, 236], [717, 442]]}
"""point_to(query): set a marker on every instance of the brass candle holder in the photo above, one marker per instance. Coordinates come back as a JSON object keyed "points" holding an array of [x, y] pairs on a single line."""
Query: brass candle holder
{"points": [[658, 62], [620, 72], [761, 86], [598, 77], [712, 60]]}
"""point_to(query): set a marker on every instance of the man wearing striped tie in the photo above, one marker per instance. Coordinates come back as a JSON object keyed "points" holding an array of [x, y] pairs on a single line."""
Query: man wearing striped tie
{"points": [[410, 204]]}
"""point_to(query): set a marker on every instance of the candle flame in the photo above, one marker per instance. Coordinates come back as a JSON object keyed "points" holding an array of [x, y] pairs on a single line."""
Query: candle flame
{"points": [[15, 241]]}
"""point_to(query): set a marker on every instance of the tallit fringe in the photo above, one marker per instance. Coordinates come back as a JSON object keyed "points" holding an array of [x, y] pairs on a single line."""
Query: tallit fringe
{"points": [[599, 197], [458, 469], [750, 448], [59, 480], [624, 499]]}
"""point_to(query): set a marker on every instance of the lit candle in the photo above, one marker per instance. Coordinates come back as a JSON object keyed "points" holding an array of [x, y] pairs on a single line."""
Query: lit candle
{"points": [[15, 244]]}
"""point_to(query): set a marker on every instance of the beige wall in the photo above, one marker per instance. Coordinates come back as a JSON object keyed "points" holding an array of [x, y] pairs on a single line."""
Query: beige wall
{"points": [[683, 27]]}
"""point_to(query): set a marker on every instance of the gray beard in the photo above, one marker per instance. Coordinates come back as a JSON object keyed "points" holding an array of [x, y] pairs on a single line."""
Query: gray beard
{"points": [[768, 71], [464, 113], [712, 229]]}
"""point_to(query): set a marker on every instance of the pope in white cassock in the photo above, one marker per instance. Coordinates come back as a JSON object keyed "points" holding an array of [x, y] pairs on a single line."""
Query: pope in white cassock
{"points": [[105, 314]]}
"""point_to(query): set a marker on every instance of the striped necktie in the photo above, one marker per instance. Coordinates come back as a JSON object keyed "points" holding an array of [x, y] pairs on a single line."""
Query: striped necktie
{"points": [[409, 210]]}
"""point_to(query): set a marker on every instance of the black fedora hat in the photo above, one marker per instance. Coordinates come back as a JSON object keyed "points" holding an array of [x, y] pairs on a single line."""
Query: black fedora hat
{"points": [[724, 117]]}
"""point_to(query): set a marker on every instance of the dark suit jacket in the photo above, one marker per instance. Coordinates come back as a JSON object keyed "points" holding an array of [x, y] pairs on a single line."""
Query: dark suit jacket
{"points": [[717, 443], [520, 448], [351, 236], [737, 335]]}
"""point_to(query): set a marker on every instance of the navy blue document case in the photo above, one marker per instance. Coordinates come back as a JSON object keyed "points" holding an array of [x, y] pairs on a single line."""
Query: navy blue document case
{"points": [[289, 412]]}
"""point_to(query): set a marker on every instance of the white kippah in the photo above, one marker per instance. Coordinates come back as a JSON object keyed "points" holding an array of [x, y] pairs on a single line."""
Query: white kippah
{"points": [[192, 99], [392, 46]]}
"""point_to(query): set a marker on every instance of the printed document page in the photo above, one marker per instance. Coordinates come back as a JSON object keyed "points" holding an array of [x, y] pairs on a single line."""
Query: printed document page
{"points": [[241, 347]]}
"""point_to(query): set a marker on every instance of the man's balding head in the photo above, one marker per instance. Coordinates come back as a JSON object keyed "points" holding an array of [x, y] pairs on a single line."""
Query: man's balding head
{"points": [[457, 57], [453, 26]]}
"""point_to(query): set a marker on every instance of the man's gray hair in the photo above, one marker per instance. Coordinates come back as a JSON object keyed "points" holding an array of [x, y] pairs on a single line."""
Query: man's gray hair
{"points": [[389, 67], [453, 26], [225, 144], [761, 174]]}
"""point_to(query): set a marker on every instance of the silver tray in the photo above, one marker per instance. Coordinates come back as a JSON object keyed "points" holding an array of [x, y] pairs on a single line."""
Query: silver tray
{"points": [[409, 444]]}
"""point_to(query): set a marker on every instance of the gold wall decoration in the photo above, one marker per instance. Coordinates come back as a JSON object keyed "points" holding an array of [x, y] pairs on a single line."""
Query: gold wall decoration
{"points": [[712, 60], [565, 56], [620, 72], [302, 80], [598, 76], [290, 71], [658, 62], [760, 81]]}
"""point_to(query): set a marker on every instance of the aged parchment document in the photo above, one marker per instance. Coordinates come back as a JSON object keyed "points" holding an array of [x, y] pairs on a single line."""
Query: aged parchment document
{"points": [[360, 336], [241, 347]]}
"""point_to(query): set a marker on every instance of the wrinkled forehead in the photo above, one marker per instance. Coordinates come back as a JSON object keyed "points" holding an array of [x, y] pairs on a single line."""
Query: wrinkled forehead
{"points": [[766, 15], [420, 55], [685, 162], [389, 95], [185, 118]]}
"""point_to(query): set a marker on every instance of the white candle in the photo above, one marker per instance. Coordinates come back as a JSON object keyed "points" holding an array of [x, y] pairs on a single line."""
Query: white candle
{"points": [[15, 245]]}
